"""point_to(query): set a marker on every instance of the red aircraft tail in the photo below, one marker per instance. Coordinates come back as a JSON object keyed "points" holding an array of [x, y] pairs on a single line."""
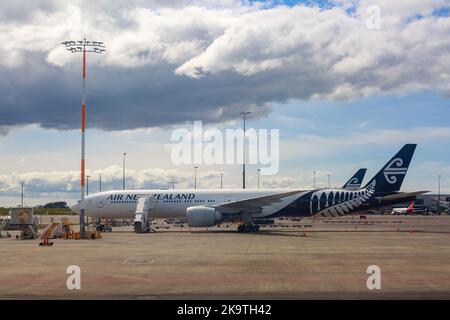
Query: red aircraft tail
{"points": [[410, 208]]}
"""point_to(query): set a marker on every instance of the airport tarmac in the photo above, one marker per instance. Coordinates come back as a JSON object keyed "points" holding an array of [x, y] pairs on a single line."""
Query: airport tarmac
{"points": [[329, 260]]}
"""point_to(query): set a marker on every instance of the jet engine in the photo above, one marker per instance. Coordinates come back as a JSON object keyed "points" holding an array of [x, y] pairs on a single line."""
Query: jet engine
{"points": [[199, 216]]}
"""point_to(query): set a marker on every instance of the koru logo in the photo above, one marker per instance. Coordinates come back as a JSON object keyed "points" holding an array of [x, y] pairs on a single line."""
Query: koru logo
{"points": [[353, 182], [394, 169]]}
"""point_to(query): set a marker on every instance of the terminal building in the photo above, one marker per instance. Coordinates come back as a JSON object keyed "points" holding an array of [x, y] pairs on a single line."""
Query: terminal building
{"points": [[432, 202]]}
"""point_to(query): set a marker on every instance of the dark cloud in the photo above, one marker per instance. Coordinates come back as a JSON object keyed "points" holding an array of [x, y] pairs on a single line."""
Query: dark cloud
{"points": [[128, 98]]}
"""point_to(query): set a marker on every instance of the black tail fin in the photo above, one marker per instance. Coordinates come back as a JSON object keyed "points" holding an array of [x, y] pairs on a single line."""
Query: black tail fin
{"points": [[355, 181], [390, 178]]}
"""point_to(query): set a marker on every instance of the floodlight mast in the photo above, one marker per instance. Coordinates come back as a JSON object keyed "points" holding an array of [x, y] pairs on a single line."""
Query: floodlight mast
{"points": [[83, 46]]}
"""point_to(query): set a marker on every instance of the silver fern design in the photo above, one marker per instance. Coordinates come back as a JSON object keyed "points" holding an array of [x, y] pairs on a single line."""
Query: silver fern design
{"points": [[338, 202], [394, 169]]}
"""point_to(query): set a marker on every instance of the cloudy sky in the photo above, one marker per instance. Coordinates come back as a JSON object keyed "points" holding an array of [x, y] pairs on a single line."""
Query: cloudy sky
{"points": [[342, 94]]}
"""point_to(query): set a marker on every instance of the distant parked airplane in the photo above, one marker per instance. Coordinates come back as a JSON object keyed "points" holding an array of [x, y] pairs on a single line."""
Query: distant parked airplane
{"points": [[408, 210]]}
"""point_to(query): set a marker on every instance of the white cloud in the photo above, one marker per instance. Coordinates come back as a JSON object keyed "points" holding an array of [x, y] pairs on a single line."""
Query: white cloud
{"points": [[326, 46], [334, 47], [50, 186]]}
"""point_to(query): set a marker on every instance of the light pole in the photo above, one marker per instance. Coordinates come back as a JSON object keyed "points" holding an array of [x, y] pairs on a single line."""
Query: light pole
{"points": [[439, 194], [221, 180], [329, 180], [259, 173], [21, 192], [123, 171], [100, 182], [173, 184], [195, 177], [83, 46], [87, 184], [243, 151], [314, 177]]}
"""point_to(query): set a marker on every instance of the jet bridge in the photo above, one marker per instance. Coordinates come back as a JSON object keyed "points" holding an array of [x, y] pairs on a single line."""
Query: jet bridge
{"points": [[142, 214]]}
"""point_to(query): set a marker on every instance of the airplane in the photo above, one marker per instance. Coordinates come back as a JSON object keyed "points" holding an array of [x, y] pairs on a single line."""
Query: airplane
{"points": [[207, 208], [408, 210], [354, 182]]}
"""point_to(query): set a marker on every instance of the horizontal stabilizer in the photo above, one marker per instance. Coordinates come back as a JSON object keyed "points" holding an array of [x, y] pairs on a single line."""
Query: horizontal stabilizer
{"points": [[402, 195]]}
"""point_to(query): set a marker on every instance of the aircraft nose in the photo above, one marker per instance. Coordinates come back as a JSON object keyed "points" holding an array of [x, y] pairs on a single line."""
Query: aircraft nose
{"points": [[76, 207]]}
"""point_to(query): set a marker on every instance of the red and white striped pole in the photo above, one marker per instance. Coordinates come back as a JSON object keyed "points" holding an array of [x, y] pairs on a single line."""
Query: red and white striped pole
{"points": [[83, 127], [74, 47]]}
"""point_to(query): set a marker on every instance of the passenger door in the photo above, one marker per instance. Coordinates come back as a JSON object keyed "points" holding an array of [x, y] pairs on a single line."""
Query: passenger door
{"points": [[100, 203]]}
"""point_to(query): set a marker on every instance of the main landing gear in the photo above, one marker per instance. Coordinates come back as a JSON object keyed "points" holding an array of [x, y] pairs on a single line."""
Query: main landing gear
{"points": [[248, 227]]}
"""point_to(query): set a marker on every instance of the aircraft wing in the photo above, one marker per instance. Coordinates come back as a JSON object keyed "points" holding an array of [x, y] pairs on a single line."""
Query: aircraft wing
{"points": [[254, 205], [402, 195]]}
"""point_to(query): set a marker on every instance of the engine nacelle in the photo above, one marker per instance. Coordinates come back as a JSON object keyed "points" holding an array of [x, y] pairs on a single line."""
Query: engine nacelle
{"points": [[199, 216]]}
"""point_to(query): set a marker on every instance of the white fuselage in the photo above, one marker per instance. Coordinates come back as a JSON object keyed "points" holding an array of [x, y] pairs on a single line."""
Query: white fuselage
{"points": [[170, 203], [401, 210]]}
